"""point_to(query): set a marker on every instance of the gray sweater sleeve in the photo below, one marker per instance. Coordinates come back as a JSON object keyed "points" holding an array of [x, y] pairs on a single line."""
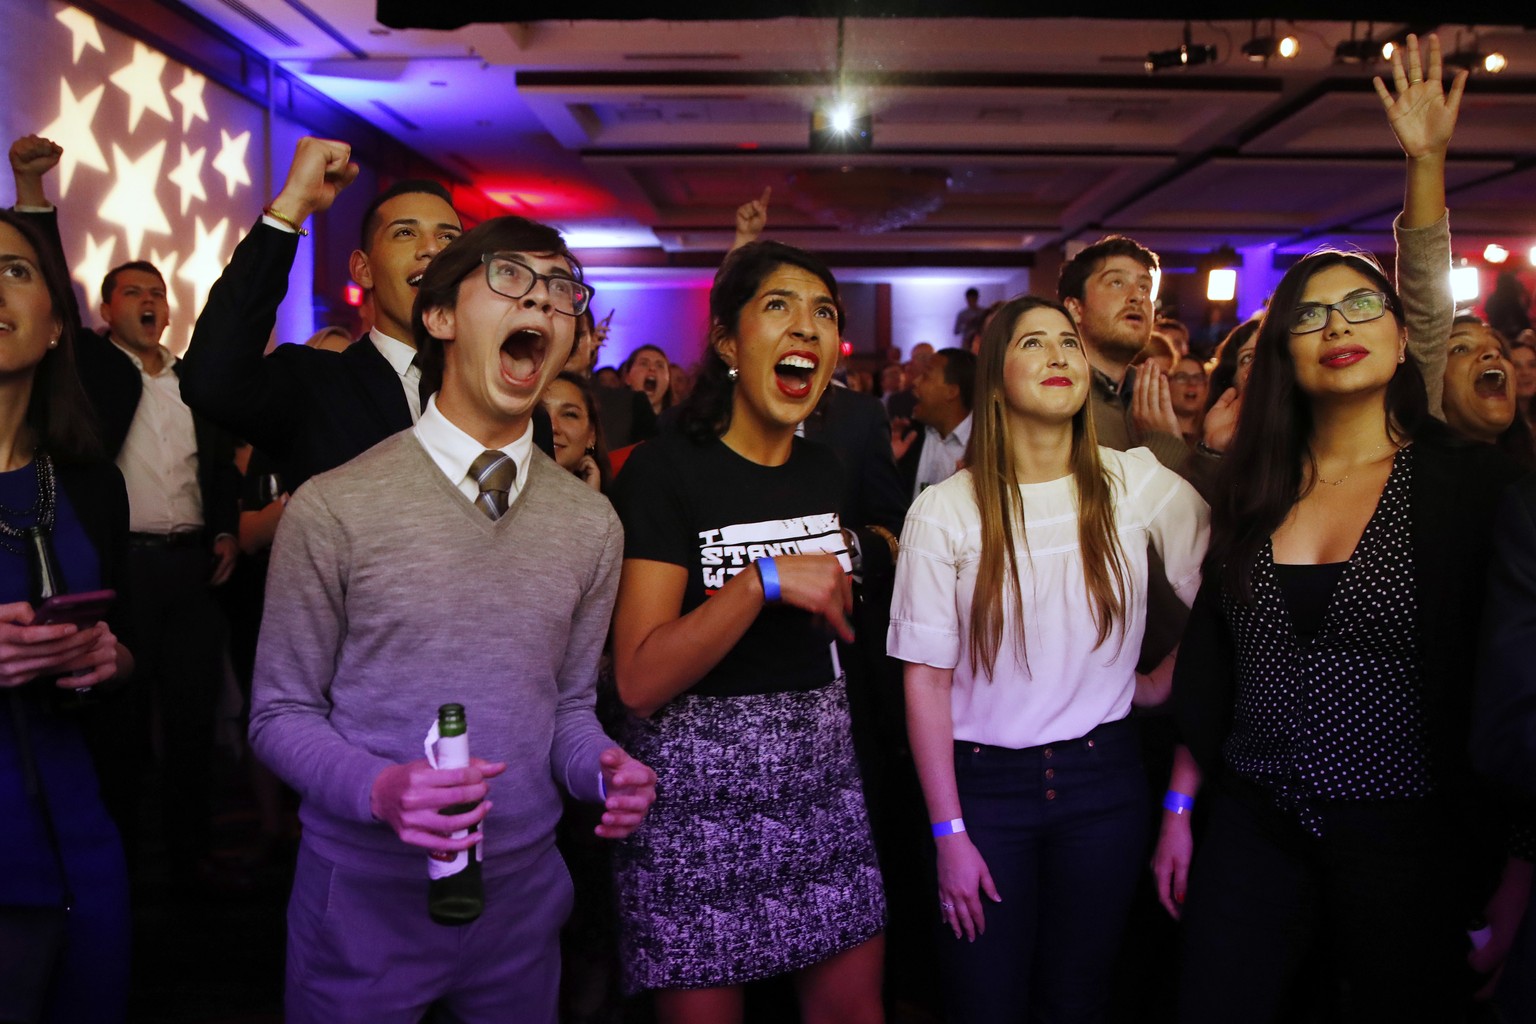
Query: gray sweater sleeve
{"points": [[302, 630], [1424, 282], [579, 740]]}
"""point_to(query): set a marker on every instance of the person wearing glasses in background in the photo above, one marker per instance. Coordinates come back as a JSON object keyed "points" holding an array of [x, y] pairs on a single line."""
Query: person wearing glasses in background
{"points": [[1324, 683], [1187, 387], [451, 563]]}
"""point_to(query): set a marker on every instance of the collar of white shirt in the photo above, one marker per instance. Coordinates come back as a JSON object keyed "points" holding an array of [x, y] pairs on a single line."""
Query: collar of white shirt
{"points": [[398, 353], [453, 451], [960, 436], [167, 360]]}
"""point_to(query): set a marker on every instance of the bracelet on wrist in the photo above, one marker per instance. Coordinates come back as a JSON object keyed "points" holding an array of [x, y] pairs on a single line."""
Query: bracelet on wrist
{"points": [[769, 574], [948, 828], [270, 212], [1205, 449], [1178, 803]]}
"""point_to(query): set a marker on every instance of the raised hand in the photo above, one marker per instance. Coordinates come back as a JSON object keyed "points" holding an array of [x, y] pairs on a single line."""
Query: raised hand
{"points": [[751, 218], [321, 168], [33, 156], [1152, 401], [1421, 112], [1221, 420]]}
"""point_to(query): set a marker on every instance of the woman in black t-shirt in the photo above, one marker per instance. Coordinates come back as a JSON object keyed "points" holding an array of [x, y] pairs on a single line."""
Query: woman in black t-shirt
{"points": [[756, 859]]}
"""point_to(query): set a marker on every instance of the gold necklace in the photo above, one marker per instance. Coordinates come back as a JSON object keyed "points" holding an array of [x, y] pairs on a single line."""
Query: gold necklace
{"points": [[1370, 462]]}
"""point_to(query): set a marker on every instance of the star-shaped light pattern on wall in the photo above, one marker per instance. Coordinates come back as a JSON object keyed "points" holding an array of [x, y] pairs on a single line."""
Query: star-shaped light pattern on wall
{"points": [[72, 130], [189, 95], [92, 268], [188, 176], [167, 263], [206, 263], [82, 32], [140, 79], [154, 199], [231, 160], [132, 204]]}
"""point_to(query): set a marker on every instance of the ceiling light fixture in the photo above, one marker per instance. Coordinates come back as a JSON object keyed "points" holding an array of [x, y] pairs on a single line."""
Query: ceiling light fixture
{"points": [[1186, 56], [1260, 49], [1221, 274], [840, 125], [1474, 59], [1495, 253], [1361, 49]]}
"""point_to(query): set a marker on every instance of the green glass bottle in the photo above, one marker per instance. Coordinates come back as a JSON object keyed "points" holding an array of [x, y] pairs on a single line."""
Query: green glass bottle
{"points": [[455, 893]]}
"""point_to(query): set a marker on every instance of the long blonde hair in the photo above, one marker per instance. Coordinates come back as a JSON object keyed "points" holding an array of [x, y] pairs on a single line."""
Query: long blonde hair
{"points": [[990, 460]]}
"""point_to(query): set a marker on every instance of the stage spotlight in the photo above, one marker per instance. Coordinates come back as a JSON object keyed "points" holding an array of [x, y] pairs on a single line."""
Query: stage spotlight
{"points": [[1474, 60], [1465, 286], [1221, 285], [1494, 63], [1186, 56], [1388, 48], [1495, 253], [1288, 47], [1260, 49], [841, 127]]}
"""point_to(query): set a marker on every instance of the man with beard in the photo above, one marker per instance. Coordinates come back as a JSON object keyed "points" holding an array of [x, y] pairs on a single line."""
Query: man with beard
{"points": [[1108, 288], [306, 409]]}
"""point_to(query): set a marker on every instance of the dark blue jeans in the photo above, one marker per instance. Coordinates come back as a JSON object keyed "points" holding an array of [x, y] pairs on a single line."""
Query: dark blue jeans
{"points": [[1063, 829]]}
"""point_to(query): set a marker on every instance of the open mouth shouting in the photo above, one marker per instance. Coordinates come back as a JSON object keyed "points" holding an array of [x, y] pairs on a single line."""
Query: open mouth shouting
{"points": [[794, 371], [522, 357], [414, 280], [1491, 383]]}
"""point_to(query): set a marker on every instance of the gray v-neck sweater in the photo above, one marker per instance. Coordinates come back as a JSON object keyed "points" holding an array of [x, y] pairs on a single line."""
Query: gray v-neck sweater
{"points": [[390, 594]]}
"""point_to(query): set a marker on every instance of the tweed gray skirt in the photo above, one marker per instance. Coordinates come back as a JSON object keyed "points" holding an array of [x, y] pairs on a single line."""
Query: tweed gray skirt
{"points": [[756, 858]]}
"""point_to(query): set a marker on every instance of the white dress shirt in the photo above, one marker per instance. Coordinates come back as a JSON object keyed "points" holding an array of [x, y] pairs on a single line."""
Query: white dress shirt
{"points": [[158, 459], [401, 358], [453, 451], [941, 455]]}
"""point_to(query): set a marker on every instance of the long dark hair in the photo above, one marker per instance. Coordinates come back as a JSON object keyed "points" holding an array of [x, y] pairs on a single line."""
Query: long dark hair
{"points": [[599, 444], [707, 412], [1266, 469], [440, 282], [990, 459], [58, 411], [1225, 374]]}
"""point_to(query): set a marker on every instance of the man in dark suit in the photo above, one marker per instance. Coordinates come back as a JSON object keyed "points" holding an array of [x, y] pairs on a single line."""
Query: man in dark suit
{"points": [[183, 492], [945, 390], [307, 409]]}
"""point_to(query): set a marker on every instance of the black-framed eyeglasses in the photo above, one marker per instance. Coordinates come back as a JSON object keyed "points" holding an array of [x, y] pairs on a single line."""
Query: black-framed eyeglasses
{"points": [[507, 275], [1359, 308]]}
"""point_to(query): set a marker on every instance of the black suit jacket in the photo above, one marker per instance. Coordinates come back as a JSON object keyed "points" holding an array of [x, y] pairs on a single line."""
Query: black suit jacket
{"points": [[308, 409], [113, 385], [1504, 728], [854, 426]]}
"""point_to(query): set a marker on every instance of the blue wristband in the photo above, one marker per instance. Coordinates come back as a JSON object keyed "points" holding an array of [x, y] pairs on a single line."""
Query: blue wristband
{"points": [[948, 828], [769, 574], [1178, 803]]}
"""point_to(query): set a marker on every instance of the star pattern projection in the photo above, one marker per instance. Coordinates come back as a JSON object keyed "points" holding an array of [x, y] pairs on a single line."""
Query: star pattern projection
{"points": [[231, 160], [72, 130], [141, 81], [132, 204], [82, 32], [188, 176], [166, 131], [189, 95], [206, 263], [91, 269]]}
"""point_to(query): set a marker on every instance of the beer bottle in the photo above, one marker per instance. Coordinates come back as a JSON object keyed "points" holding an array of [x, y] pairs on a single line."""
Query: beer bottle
{"points": [[455, 894], [46, 580]]}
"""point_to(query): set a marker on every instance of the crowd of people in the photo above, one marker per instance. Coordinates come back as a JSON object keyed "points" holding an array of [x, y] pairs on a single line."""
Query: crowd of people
{"points": [[1062, 674]]}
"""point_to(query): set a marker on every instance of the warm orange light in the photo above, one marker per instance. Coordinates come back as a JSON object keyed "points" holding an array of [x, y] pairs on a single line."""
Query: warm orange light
{"points": [[352, 294]]}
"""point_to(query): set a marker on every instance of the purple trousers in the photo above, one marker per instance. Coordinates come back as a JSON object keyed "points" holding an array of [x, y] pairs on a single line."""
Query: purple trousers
{"points": [[362, 949]]}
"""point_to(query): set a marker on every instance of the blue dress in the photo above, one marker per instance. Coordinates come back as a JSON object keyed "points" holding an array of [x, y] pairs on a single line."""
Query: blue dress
{"points": [[91, 983]]}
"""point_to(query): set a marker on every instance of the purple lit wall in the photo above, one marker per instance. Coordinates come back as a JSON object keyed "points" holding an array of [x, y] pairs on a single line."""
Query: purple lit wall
{"points": [[159, 162]]}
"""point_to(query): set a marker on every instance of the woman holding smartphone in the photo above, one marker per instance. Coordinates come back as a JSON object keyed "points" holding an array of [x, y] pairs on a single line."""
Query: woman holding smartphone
{"points": [[1019, 608], [60, 848]]}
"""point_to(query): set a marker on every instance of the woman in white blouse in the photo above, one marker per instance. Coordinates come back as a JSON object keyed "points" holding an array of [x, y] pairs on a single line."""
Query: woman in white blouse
{"points": [[1019, 607]]}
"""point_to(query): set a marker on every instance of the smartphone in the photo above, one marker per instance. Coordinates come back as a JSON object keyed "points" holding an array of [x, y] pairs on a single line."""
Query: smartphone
{"points": [[83, 610]]}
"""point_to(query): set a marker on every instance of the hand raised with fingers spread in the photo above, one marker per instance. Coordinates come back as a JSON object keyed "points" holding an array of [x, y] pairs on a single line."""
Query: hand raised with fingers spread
{"points": [[1421, 112], [1152, 401]]}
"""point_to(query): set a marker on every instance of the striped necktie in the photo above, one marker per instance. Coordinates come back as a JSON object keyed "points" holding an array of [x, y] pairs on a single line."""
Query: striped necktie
{"points": [[493, 473]]}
